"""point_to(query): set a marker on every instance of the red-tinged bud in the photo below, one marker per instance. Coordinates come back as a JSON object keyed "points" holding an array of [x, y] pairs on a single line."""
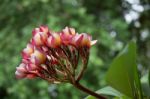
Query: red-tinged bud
{"points": [[21, 71], [92, 42], [38, 57], [69, 31], [40, 35], [31, 67], [54, 40], [20, 75], [25, 61], [37, 39], [66, 31], [72, 31], [44, 32], [85, 40], [76, 40], [35, 31], [31, 76], [67, 35], [27, 51], [21, 68], [44, 29]]}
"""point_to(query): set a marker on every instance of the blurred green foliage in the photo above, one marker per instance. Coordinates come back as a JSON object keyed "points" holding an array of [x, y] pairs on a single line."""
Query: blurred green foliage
{"points": [[104, 20]]}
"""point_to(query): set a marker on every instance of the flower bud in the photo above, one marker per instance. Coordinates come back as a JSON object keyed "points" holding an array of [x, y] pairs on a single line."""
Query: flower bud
{"points": [[69, 31], [67, 35], [35, 31], [76, 40], [44, 29], [27, 51], [85, 40], [40, 35], [31, 75], [20, 75], [54, 40], [38, 57], [37, 39], [31, 67], [21, 68], [21, 71]]}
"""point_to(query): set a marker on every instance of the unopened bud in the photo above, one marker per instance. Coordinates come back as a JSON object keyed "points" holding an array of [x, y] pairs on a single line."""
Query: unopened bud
{"points": [[38, 57], [27, 51], [54, 40]]}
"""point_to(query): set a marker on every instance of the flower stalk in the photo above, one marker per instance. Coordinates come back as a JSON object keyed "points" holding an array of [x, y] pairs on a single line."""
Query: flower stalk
{"points": [[88, 91]]}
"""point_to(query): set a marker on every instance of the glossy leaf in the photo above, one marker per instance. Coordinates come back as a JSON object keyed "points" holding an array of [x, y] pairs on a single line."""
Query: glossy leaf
{"points": [[123, 75], [145, 85], [109, 91]]}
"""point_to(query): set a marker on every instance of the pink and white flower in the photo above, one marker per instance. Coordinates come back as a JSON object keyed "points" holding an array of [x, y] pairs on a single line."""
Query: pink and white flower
{"points": [[54, 56]]}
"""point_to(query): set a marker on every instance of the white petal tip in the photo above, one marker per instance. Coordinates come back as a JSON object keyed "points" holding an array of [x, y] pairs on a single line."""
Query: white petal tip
{"points": [[93, 42]]}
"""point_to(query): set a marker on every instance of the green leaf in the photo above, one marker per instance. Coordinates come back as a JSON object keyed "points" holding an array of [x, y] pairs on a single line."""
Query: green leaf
{"points": [[123, 75], [149, 77], [145, 85], [122, 97], [107, 91]]}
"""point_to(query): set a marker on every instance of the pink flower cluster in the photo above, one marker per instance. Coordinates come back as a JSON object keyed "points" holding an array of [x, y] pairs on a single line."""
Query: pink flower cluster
{"points": [[53, 56]]}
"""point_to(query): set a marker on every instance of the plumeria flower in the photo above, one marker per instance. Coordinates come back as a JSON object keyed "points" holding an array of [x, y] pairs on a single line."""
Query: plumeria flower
{"points": [[54, 56]]}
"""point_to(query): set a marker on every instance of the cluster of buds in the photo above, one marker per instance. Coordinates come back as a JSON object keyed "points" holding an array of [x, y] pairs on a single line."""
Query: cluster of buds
{"points": [[54, 56]]}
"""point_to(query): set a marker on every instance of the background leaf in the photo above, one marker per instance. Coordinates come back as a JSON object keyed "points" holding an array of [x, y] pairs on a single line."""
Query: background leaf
{"points": [[149, 78], [145, 85], [109, 91], [123, 75]]}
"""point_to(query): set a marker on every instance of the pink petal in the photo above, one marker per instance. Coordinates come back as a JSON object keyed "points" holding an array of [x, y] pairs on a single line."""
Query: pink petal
{"points": [[27, 51], [44, 28], [20, 75], [35, 31], [38, 57], [72, 31], [66, 30], [21, 68], [31, 76], [37, 39], [76, 40], [31, 67], [85, 40]]}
